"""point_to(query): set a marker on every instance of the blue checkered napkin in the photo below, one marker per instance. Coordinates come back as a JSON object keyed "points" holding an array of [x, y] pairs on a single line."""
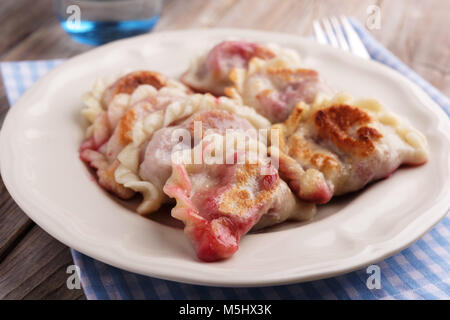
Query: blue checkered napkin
{"points": [[421, 271], [19, 76]]}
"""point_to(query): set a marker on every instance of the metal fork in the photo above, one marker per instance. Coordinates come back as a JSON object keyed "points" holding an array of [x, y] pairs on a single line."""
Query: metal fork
{"points": [[340, 35]]}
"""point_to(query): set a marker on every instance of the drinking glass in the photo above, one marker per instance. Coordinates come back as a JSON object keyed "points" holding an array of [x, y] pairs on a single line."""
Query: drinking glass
{"points": [[95, 22]]}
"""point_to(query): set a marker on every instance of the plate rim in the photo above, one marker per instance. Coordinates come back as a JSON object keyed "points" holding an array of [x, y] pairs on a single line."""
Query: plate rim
{"points": [[38, 215]]}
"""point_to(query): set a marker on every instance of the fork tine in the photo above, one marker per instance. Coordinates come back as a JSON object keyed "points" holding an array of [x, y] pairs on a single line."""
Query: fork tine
{"points": [[320, 36], [355, 43], [330, 33], [339, 35]]}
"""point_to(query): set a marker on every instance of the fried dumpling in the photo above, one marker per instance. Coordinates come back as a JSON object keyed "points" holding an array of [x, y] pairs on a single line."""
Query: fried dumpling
{"points": [[351, 142], [210, 73], [114, 111], [218, 116], [220, 202], [115, 94]]}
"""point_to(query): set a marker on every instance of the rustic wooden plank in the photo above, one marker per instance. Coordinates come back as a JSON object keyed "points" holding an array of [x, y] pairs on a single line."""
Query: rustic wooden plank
{"points": [[13, 222], [32, 264], [20, 18], [48, 42], [36, 269], [417, 32]]}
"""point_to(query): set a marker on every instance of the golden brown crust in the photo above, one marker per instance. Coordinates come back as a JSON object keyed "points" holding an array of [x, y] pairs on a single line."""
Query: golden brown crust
{"points": [[294, 119], [131, 81], [300, 149], [264, 93], [284, 130], [334, 123], [342, 116], [234, 78], [125, 126], [264, 53], [210, 119], [324, 162], [337, 137], [247, 171], [107, 180], [289, 75], [280, 134], [237, 200]]}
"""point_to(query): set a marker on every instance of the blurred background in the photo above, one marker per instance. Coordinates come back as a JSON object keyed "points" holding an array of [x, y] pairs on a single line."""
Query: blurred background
{"points": [[414, 30], [32, 263]]}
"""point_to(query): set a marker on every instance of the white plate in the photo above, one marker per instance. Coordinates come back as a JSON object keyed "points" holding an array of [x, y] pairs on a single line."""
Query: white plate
{"points": [[40, 166]]}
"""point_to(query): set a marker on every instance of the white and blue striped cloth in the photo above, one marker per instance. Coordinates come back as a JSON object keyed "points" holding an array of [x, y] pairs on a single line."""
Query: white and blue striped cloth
{"points": [[421, 271]]}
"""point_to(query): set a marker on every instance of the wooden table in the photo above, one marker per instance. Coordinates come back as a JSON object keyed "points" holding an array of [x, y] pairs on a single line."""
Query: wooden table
{"points": [[33, 264]]}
